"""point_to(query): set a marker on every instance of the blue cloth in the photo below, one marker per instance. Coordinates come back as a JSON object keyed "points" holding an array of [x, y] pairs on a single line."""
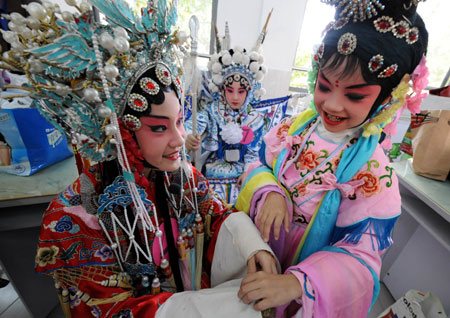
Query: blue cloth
{"points": [[352, 161]]}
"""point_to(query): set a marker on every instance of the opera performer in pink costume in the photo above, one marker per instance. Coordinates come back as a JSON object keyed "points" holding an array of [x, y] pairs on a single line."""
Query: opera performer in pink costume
{"points": [[324, 194]]}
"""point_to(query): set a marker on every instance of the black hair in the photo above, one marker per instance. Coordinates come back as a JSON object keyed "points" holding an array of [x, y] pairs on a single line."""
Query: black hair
{"points": [[371, 42]]}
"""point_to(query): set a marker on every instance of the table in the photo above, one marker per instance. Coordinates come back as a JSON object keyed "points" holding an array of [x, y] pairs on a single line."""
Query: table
{"points": [[420, 256], [23, 200], [39, 187]]}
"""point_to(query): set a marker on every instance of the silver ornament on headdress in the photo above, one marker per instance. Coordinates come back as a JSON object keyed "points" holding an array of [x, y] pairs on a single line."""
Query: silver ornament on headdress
{"points": [[359, 10], [74, 64]]}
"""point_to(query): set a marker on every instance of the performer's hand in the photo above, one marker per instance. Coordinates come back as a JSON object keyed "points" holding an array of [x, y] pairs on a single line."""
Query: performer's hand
{"points": [[264, 261], [240, 180], [193, 142], [274, 211], [269, 290]]}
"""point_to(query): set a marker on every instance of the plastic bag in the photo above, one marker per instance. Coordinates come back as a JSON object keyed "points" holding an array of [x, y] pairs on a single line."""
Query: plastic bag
{"points": [[415, 304], [28, 143]]}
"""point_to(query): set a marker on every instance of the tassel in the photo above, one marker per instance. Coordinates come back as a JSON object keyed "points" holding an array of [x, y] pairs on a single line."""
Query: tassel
{"points": [[59, 291], [116, 283], [84, 297], [208, 217], [381, 228], [167, 270], [199, 251], [66, 303], [191, 243], [156, 286]]}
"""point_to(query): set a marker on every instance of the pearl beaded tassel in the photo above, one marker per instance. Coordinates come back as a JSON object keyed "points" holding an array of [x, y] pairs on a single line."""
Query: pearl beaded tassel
{"points": [[122, 158]]}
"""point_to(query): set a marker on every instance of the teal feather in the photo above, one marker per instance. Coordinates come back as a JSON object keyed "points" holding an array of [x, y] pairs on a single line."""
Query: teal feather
{"points": [[57, 55], [83, 65], [64, 59], [119, 13], [148, 20], [73, 63], [75, 51]]}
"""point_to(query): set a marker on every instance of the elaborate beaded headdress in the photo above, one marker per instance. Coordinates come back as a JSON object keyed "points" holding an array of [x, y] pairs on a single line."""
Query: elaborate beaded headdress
{"points": [[238, 65], [399, 30], [82, 71], [87, 76]]}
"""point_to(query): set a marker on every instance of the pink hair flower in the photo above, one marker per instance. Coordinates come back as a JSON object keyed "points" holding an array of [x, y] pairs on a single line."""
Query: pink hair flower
{"points": [[420, 76], [413, 102]]}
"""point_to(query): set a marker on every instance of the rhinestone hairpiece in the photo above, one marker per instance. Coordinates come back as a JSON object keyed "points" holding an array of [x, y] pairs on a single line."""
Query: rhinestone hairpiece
{"points": [[149, 86], [131, 122], [388, 71], [137, 102], [347, 43], [176, 81], [163, 74], [400, 29], [376, 62], [358, 10]]}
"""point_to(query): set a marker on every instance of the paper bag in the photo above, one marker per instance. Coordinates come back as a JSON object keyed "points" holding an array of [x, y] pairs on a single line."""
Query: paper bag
{"points": [[430, 132]]}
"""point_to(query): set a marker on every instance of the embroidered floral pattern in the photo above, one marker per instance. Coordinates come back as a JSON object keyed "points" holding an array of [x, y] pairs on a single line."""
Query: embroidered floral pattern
{"points": [[124, 313], [389, 176], [68, 254], [64, 224], [335, 162], [300, 189], [46, 255], [307, 160], [104, 253], [283, 129], [299, 218], [202, 187], [371, 184]]}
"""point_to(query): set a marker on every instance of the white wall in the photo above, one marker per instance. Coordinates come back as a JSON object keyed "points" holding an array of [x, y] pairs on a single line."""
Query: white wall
{"points": [[246, 19]]}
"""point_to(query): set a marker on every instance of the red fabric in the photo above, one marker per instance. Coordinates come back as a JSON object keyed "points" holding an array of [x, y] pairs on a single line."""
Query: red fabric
{"points": [[71, 238]]}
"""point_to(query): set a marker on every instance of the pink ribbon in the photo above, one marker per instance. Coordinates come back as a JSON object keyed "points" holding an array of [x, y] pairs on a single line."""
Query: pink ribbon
{"points": [[329, 182], [289, 141], [285, 142]]}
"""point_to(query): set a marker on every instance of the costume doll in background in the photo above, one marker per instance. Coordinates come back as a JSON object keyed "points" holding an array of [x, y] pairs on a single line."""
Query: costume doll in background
{"points": [[324, 183], [229, 127], [140, 223]]}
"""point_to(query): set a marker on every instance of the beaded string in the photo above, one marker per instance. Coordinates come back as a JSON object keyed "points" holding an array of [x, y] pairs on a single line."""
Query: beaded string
{"points": [[140, 209]]}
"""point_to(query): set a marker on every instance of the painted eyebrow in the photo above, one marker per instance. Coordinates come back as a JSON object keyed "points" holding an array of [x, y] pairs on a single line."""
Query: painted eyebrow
{"points": [[348, 87], [158, 117], [325, 78], [162, 117]]}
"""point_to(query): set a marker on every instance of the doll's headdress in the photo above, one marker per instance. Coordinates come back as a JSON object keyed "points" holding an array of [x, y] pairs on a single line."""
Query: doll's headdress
{"points": [[389, 39], [84, 73], [237, 64]]}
